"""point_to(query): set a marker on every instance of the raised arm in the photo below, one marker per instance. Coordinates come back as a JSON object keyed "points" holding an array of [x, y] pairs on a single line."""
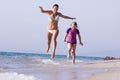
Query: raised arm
{"points": [[45, 11], [66, 17]]}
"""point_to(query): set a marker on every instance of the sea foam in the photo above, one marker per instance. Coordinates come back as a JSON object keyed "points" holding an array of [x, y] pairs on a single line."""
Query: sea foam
{"points": [[15, 76]]}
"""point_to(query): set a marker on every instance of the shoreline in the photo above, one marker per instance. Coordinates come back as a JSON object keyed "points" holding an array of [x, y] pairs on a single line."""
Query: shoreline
{"points": [[44, 69]]}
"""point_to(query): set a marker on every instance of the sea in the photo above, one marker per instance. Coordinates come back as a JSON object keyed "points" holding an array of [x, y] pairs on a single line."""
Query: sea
{"points": [[36, 66]]}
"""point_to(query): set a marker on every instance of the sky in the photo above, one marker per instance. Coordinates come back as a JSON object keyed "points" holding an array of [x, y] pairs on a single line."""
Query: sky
{"points": [[23, 28]]}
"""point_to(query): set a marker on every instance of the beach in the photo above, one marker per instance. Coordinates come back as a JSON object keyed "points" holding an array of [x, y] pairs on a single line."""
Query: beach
{"points": [[108, 75], [22, 66], [110, 70]]}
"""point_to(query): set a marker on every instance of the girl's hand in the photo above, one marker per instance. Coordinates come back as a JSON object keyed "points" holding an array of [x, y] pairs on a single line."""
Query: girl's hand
{"points": [[81, 43], [64, 40]]}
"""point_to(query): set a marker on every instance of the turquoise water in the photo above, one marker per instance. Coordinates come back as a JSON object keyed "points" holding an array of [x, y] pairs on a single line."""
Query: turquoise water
{"points": [[33, 66], [47, 56]]}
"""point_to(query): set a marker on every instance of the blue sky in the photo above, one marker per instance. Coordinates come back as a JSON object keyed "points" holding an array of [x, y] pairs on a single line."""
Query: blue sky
{"points": [[23, 28]]}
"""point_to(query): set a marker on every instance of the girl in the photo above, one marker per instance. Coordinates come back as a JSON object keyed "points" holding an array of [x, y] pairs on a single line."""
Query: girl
{"points": [[72, 41]]}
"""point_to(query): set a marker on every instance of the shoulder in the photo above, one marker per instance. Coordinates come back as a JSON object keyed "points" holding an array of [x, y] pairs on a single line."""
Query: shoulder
{"points": [[68, 29], [50, 12], [60, 14], [77, 31]]}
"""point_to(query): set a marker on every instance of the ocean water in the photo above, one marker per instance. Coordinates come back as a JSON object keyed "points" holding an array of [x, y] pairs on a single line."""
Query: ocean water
{"points": [[31, 66]]}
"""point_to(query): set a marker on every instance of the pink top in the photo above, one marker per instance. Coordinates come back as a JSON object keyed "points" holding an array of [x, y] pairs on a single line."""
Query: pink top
{"points": [[71, 38]]}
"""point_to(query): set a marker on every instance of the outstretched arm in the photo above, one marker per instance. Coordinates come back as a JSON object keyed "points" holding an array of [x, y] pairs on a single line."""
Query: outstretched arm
{"points": [[66, 17], [45, 11]]}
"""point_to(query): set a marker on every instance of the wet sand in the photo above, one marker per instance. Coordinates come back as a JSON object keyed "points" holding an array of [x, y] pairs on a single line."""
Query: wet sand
{"points": [[110, 70]]}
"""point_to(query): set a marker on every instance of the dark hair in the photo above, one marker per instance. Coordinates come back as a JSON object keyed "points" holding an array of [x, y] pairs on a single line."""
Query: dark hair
{"points": [[56, 5], [75, 23]]}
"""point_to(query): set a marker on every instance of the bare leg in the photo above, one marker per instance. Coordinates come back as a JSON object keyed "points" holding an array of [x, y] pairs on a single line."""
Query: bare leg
{"points": [[73, 53], [69, 50], [55, 34], [49, 37]]}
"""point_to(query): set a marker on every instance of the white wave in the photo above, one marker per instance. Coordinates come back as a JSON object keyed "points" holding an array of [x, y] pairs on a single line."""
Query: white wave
{"points": [[16, 76], [76, 61], [49, 61], [79, 60]]}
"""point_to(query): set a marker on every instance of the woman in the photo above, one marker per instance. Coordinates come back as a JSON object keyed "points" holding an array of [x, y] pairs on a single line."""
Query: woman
{"points": [[53, 30]]}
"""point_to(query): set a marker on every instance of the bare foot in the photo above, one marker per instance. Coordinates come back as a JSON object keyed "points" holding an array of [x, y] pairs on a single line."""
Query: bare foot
{"points": [[53, 55], [47, 49], [73, 62], [68, 56]]}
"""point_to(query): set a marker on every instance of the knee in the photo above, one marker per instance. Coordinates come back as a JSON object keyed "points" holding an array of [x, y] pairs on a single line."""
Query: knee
{"points": [[54, 39], [73, 50], [69, 50]]}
